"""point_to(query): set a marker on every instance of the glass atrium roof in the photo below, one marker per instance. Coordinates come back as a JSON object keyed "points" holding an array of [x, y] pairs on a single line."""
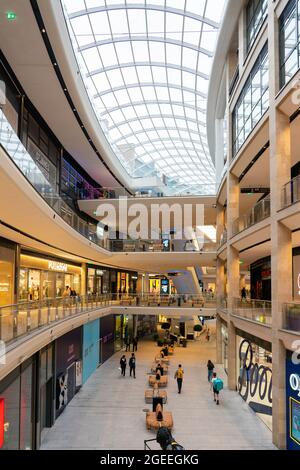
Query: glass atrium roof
{"points": [[146, 67]]}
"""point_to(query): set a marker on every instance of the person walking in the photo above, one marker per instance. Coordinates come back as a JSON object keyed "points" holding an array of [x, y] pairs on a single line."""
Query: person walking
{"points": [[217, 385], [210, 370], [132, 365], [128, 343], [208, 335], [179, 377], [134, 344], [244, 294], [123, 363]]}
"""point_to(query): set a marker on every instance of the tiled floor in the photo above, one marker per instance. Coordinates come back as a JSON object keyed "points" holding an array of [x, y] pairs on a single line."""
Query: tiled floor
{"points": [[108, 411]]}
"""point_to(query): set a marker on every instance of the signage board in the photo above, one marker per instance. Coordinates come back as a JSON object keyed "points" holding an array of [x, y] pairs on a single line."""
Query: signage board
{"points": [[292, 404]]}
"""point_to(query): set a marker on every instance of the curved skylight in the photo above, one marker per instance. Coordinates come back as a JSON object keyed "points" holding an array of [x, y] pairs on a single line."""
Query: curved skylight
{"points": [[146, 67]]}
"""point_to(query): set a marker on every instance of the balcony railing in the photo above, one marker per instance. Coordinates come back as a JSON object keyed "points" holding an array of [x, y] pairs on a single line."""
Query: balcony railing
{"points": [[155, 246], [222, 303], [261, 211], [223, 239], [291, 317], [117, 192], [291, 192], [259, 311], [21, 319]]}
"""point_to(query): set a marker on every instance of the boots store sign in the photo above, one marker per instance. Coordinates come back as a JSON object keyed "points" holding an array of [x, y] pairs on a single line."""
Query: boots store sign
{"points": [[254, 381]]}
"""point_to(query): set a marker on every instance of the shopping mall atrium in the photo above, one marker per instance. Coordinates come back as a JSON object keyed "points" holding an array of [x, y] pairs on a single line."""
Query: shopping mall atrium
{"points": [[149, 217]]}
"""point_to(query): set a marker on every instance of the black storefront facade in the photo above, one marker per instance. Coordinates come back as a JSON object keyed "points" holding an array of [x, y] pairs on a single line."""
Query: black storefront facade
{"points": [[261, 279], [68, 370]]}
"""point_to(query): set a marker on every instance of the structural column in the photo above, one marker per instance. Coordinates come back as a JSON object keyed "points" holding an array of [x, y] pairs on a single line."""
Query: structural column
{"points": [[233, 273], [281, 237], [220, 288], [83, 279]]}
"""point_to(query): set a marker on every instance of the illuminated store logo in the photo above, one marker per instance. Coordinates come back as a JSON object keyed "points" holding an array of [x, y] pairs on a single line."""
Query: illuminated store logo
{"points": [[99, 272], [295, 383], [56, 266]]}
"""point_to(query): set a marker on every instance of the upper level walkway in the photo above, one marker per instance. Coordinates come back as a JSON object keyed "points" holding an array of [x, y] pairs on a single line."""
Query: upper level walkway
{"points": [[27, 327], [108, 412]]}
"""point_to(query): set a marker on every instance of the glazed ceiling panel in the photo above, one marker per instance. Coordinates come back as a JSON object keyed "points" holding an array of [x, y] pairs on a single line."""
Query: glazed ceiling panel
{"points": [[146, 67]]}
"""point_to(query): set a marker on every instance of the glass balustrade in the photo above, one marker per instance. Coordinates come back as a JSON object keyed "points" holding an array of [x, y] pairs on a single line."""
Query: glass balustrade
{"points": [[259, 212], [21, 319], [291, 317], [118, 192], [291, 192], [259, 311]]}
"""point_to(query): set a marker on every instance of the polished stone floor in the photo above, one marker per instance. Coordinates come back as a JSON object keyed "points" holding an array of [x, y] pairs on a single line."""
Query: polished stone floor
{"points": [[108, 411]]}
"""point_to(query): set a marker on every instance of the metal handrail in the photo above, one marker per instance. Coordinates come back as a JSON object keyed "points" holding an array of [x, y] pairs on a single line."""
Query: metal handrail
{"points": [[291, 192], [256, 310], [20, 319], [291, 316], [259, 212], [117, 192]]}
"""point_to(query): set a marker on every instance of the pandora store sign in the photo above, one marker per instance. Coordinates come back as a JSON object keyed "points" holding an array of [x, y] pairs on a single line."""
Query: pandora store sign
{"points": [[57, 266]]}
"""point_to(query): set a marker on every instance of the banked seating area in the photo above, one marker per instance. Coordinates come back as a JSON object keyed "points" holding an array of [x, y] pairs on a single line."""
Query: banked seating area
{"points": [[158, 379]]}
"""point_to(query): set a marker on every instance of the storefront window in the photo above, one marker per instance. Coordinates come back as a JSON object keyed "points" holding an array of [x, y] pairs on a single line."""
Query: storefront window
{"points": [[60, 285], [76, 283], [34, 284], [7, 258], [48, 285], [11, 397], [25, 409]]}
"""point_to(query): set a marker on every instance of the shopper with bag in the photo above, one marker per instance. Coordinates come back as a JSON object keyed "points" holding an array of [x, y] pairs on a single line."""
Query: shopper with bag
{"points": [[217, 385]]}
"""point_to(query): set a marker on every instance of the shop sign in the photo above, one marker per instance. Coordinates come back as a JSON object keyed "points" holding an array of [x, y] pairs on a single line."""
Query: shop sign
{"points": [[255, 381], [292, 405], [2, 424], [295, 383], [99, 272], [57, 266]]}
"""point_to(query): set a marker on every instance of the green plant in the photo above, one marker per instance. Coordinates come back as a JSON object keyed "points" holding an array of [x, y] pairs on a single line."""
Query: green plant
{"points": [[198, 328], [160, 342]]}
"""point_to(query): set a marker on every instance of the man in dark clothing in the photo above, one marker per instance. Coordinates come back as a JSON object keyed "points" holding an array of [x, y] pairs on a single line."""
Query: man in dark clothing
{"points": [[132, 364], [160, 368], [134, 344], [127, 343], [123, 363]]}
